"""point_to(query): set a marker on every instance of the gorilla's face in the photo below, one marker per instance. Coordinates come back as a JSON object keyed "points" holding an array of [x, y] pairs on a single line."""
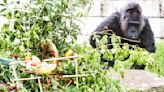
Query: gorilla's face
{"points": [[131, 23], [132, 31]]}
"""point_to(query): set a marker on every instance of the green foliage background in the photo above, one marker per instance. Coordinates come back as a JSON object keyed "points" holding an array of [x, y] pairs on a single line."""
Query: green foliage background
{"points": [[30, 23]]}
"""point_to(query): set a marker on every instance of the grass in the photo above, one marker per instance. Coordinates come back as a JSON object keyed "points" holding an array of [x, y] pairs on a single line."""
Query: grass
{"points": [[159, 56]]}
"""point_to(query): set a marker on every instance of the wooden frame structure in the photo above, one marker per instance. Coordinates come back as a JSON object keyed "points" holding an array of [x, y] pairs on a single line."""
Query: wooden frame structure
{"points": [[19, 85]]}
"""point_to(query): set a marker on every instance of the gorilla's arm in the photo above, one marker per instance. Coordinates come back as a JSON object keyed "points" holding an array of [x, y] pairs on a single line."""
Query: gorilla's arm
{"points": [[147, 38], [112, 22]]}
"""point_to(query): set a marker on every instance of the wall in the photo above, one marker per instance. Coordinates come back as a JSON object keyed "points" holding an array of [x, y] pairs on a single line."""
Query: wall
{"points": [[153, 9]]}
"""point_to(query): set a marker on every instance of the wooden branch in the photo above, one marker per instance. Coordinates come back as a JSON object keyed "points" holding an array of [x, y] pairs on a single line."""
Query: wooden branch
{"points": [[110, 34], [130, 40], [22, 79], [61, 58], [121, 45]]}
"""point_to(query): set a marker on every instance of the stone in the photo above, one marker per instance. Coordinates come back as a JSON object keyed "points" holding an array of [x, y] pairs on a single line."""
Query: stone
{"points": [[140, 80]]}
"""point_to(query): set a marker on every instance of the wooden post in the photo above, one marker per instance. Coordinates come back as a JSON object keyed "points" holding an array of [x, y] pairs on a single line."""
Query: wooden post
{"points": [[77, 78], [16, 77], [40, 85]]}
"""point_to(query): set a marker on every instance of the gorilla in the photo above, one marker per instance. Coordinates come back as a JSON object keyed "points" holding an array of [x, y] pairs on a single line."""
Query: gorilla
{"points": [[129, 23]]}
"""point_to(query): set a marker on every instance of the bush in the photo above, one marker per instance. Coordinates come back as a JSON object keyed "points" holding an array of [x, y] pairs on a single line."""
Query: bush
{"points": [[32, 22]]}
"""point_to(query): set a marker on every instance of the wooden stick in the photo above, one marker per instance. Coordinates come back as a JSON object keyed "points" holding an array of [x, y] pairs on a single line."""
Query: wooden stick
{"points": [[27, 79], [61, 58], [121, 44], [80, 75], [40, 85], [77, 79], [69, 83], [130, 40], [15, 76], [110, 34], [17, 62]]}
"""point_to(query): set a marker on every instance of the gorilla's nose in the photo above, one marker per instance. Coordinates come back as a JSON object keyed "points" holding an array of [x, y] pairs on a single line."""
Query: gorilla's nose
{"points": [[133, 31], [133, 34]]}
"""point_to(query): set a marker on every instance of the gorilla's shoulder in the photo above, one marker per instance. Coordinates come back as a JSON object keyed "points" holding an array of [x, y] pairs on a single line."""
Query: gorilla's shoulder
{"points": [[113, 18], [145, 18], [115, 15]]}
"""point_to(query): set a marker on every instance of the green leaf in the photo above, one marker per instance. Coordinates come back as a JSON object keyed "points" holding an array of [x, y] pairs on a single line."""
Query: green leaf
{"points": [[2, 4], [5, 1], [5, 27]]}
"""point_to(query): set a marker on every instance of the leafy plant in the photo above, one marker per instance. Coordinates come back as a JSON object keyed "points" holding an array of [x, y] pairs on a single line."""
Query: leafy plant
{"points": [[5, 74], [98, 79], [32, 22], [157, 66]]}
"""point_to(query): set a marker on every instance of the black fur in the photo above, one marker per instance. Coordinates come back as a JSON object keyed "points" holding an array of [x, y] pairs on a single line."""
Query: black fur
{"points": [[118, 23]]}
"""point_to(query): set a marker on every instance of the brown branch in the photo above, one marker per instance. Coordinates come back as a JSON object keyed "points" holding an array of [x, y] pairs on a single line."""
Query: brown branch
{"points": [[69, 83], [130, 40], [110, 34], [121, 44]]}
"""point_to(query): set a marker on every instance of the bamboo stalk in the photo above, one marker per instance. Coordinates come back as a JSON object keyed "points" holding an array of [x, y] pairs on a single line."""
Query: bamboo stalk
{"points": [[17, 62], [69, 83], [40, 85], [15, 76], [50, 59], [77, 79], [27, 79], [61, 58]]}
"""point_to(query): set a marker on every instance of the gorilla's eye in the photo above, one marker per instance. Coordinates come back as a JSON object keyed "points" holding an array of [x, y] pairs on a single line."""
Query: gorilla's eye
{"points": [[130, 10], [133, 25]]}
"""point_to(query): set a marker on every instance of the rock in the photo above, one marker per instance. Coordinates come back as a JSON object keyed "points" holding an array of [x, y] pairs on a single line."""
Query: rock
{"points": [[141, 80]]}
